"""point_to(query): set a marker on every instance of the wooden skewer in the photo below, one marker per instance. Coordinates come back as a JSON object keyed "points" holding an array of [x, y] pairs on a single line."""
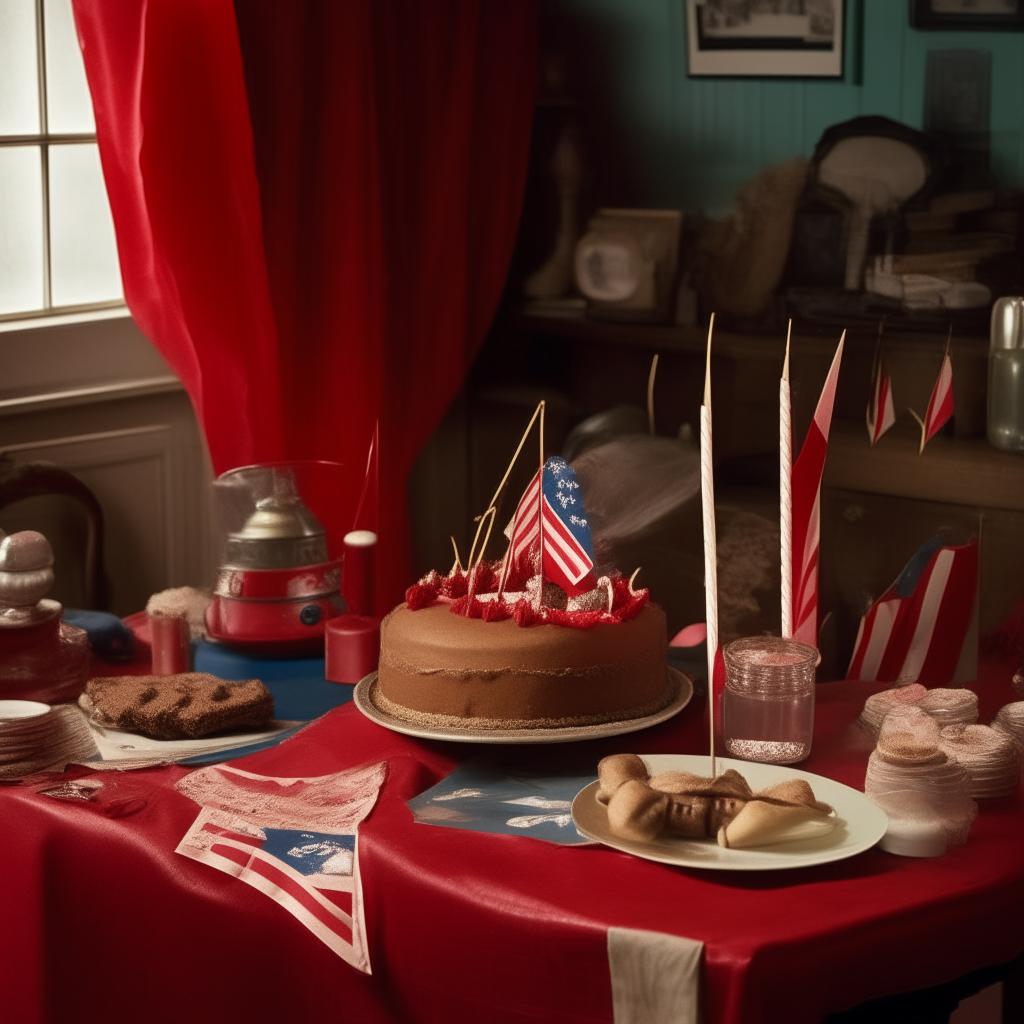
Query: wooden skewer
{"points": [[650, 394]]}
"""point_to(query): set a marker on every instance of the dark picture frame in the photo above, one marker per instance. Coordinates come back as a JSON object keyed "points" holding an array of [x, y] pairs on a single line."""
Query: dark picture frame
{"points": [[925, 15], [747, 39]]}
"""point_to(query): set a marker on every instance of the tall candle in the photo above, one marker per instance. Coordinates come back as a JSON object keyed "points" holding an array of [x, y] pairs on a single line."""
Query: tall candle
{"points": [[707, 493], [786, 493]]}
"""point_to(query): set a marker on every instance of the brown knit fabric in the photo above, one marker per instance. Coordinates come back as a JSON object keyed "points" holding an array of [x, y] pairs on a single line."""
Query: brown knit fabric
{"points": [[181, 706]]}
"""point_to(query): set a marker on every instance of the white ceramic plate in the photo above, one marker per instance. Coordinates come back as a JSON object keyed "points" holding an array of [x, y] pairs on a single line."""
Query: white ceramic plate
{"points": [[682, 691], [18, 710], [861, 823]]}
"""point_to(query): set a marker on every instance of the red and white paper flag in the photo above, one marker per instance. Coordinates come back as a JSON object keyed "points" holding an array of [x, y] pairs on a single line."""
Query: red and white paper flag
{"points": [[881, 411], [940, 405], [915, 631], [293, 839], [806, 488]]}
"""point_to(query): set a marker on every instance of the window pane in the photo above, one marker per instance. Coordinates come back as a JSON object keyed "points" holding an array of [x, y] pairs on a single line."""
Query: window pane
{"points": [[69, 107], [19, 75], [83, 253], [21, 229]]}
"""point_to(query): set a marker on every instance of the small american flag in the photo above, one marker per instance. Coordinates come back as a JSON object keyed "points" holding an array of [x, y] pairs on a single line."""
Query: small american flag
{"points": [[554, 497], [915, 631], [881, 412], [806, 480], [312, 874], [940, 405]]}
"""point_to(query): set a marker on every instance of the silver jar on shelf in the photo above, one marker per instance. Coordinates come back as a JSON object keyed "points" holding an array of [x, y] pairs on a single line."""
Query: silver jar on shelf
{"points": [[1006, 375]]}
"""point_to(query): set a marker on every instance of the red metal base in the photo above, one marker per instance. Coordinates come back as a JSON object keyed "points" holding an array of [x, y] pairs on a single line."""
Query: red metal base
{"points": [[291, 624]]}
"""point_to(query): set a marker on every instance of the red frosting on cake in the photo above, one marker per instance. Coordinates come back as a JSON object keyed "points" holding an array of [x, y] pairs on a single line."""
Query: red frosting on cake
{"points": [[626, 602]]}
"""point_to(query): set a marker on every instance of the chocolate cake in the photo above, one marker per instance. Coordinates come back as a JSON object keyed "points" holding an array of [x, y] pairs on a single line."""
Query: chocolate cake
{"points": [[182, 706], [440, 668]]}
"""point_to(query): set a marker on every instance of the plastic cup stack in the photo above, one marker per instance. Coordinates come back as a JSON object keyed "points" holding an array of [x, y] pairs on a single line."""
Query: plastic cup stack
{"points": [[924, 793], [950, 706], [989, 756], [878, 705], [1010, 719]]}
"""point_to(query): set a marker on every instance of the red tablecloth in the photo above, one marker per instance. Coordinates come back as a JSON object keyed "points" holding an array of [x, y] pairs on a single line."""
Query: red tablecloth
{"points": [[102, 922]]}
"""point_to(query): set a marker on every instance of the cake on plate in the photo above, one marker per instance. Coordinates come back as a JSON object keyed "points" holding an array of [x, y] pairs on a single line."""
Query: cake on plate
{"points": [[532, 642]]}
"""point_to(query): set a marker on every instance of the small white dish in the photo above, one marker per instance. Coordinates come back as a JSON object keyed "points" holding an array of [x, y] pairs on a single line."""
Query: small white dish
{"points": [[19, 710]]}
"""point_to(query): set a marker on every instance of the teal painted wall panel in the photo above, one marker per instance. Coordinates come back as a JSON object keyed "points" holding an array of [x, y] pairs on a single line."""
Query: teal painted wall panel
{"points": [[692, 142]]}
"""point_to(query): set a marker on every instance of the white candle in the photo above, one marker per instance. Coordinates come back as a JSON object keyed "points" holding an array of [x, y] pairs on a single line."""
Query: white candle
{"points": [[707, 492], [786, 494]]}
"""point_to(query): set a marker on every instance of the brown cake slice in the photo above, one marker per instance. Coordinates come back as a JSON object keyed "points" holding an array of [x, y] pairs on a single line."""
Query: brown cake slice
{"points": [[186, 705]]}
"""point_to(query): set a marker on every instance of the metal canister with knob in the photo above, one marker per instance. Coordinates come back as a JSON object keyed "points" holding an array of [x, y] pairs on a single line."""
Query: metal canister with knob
{"points": [[1006, 375]]}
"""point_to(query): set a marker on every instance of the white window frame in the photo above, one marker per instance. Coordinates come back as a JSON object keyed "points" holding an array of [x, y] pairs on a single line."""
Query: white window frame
{"points": [[61, 355]]}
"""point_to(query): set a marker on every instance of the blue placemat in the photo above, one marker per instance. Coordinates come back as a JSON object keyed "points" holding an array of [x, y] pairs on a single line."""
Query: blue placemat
{"points": [[300, 690], [483, 795]]}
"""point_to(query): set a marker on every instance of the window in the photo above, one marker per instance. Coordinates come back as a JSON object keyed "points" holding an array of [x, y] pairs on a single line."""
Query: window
{"points": [[57, 247]]}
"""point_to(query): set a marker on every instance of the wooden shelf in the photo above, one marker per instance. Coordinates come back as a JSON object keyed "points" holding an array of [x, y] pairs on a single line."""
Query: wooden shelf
{"points": [[956, 471]]}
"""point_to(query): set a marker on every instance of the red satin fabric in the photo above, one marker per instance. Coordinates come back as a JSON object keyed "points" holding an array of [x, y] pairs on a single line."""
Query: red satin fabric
{"points": [[315, 207], [102, 918]]}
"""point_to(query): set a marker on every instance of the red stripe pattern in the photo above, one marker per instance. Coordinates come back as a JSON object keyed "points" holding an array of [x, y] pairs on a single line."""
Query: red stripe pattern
{"points": [[940, 405], [806, 486], [919, 638]]}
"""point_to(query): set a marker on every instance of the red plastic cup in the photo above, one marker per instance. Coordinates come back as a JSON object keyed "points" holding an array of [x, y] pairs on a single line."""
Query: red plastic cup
{"points": [[171, 644], [352, 647], [357, 574]]}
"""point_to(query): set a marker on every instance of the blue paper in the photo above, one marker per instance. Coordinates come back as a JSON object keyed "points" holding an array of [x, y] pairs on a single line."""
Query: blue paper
{"points": [[482, 795], [301, 692]]}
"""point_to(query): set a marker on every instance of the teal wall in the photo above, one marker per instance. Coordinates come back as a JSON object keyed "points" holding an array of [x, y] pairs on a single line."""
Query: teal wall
{"points": [[693, 141]]}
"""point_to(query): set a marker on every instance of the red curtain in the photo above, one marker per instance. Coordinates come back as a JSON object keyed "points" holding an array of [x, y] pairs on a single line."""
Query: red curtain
{"points": [[315, 205]]}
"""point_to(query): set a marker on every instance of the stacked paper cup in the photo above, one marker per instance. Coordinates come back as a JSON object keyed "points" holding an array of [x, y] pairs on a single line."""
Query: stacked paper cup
{"points": [[950, 706], [877, 706], [923, 792], [989, 756], [1010, 720]]}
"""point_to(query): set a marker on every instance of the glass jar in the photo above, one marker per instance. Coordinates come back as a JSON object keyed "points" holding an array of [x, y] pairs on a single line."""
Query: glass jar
{"points": [[1006, 375], [768, 703]]}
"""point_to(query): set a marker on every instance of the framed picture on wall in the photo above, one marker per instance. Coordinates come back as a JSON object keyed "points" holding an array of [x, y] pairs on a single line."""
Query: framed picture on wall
{"points": [[957, 15], [765, 38]]}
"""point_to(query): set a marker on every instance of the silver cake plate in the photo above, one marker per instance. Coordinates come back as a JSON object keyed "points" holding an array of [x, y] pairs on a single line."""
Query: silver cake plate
{"points": [[679, 684]]}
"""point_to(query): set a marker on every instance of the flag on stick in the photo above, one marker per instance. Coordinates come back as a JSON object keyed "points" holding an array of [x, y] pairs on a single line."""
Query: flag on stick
{"points": [[550, 515], [915, 631], [940, 405], [881, 413], [806, 486]]}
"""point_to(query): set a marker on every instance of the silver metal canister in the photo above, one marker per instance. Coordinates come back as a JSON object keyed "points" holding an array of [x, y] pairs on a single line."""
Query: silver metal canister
{"points": [[1006, 375]]}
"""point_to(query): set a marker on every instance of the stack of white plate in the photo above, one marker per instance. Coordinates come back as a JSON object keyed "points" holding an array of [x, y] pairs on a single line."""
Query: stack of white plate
{"points": [[988, 755], [28, 730]]}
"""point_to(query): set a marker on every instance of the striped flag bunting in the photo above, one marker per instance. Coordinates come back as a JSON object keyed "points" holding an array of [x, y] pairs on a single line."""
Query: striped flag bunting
{"points": [[915, 631], [881, 411], [940, 405], [806, 486], [312, 874], [553, 500]]}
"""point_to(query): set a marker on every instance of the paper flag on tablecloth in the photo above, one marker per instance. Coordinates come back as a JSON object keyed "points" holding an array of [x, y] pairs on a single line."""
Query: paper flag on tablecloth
{"points": [[806, 479], [915, 631], [296, 840]]}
